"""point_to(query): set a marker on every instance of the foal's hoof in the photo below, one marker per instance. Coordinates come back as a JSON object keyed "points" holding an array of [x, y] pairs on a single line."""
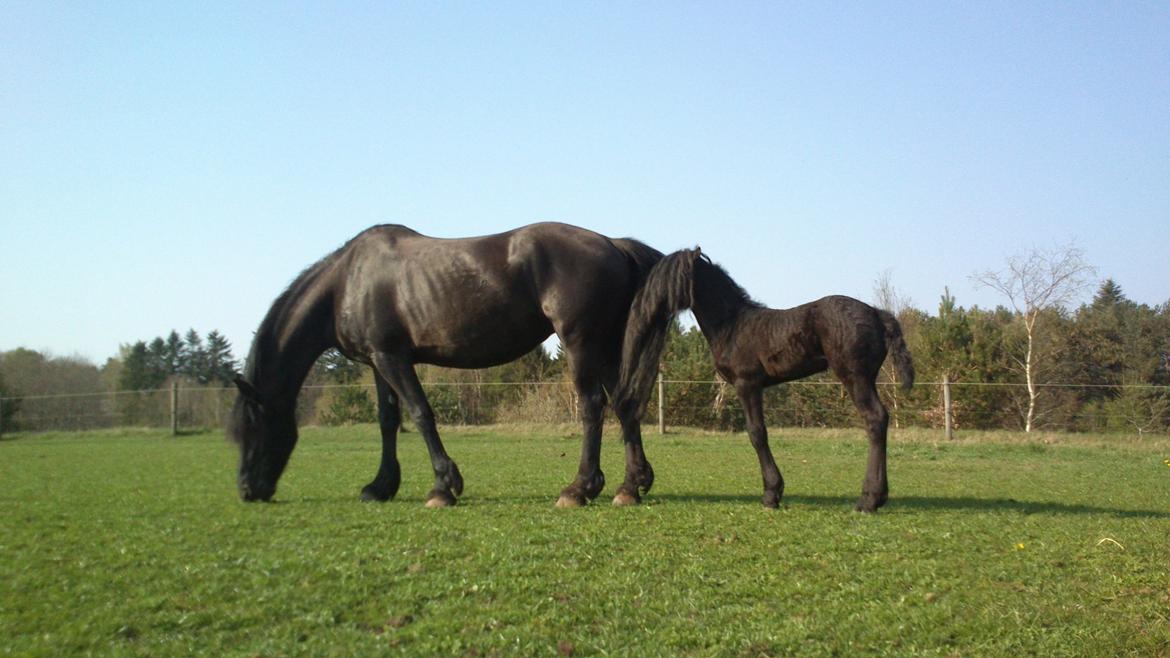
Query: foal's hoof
{"points": [[623, 499], [570, 500], [440, 499]]}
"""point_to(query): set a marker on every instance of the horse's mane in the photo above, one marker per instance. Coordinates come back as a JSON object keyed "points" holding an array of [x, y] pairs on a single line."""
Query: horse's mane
{"points": [[265, 340]]}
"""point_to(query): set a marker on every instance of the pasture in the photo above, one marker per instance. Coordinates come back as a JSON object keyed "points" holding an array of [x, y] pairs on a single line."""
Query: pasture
{"points": [[135, 543]]}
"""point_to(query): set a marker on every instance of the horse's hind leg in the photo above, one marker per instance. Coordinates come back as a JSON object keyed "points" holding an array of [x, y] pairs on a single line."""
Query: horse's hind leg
{"points": [[385, 484], [639, 474], [399, 374], [752, 399], [591, 403], [875, 488]]}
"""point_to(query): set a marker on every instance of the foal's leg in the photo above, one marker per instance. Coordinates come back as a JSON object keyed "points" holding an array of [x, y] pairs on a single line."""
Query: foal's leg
{"points": [[639, 475], [875, 489], [591, 403], [752, 399], [389, 476], [399, 374]]}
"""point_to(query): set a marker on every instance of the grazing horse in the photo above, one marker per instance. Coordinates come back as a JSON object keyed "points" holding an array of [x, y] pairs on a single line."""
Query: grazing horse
{"points": [[392, 297], [755, 347]]}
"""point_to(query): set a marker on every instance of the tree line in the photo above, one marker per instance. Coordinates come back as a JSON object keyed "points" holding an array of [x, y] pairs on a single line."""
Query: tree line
{"points": [[42, 391], [149, 365], [1103, 366]]}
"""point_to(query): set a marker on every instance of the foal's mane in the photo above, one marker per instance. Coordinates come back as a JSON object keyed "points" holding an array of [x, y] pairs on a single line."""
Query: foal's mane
{"points": [[713, 282]]}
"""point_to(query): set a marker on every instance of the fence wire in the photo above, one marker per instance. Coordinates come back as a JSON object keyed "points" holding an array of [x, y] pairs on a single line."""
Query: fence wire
{"points": [[1096, 407]]}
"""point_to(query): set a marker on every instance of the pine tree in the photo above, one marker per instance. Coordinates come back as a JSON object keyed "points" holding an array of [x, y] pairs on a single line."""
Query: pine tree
{"points": [[220, 366], [194, 357], [173, 354], [1108, 296], [10, 406], [157, 363]]}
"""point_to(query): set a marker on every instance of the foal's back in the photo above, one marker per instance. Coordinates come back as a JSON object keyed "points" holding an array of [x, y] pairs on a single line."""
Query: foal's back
{"points": [[783, 345]]}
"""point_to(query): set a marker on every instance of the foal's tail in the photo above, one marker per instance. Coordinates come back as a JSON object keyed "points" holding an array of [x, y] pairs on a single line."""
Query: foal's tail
{"points": [[896, 345], [666, 291]]}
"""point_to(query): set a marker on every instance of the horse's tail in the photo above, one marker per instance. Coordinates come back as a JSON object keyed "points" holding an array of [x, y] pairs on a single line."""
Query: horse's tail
{"points": [[642, 257], [666, 291], [896, 345]]}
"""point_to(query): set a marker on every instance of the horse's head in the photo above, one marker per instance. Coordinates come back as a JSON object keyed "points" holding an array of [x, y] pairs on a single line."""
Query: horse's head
{"points": [[266, 432]]}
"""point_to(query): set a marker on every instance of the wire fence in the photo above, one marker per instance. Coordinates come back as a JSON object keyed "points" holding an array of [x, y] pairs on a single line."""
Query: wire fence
{"points": [[1093, 407]]}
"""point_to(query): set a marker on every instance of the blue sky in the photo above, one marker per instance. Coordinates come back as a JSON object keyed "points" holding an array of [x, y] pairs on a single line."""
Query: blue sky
{"points": [[172, 166]]}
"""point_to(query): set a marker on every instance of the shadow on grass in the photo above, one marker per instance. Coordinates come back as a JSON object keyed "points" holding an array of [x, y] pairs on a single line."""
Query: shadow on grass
{"points": [[844, 503], [927, 503]]}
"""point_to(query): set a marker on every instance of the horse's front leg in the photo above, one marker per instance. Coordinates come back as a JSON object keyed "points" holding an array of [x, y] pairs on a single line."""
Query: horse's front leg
{"points": [[399, 374], [385, 483]]}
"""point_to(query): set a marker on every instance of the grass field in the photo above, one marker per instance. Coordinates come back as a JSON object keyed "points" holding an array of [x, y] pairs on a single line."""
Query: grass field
{"points": [[134, 543]]}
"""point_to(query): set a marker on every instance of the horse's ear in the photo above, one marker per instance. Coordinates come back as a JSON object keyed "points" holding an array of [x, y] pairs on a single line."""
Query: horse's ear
{"points": [[246, 389], [697, 254]]}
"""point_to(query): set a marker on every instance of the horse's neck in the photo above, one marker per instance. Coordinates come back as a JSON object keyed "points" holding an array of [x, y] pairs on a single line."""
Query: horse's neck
{"points": [[290, 342]]}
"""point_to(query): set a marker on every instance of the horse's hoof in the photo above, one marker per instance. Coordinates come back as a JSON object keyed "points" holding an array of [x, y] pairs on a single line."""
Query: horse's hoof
{"points": [[371, 494], [443, 499], [771, 500], [869, 503], [623, 499], [866, 505], [569, 500]]}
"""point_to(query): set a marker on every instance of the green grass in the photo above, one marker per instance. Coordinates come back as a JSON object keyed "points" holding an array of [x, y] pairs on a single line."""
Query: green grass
{"points": [[134, 543]]}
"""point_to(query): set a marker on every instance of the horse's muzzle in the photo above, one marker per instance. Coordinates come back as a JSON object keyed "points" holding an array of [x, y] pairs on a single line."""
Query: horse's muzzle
{"points": [[251, 494]]}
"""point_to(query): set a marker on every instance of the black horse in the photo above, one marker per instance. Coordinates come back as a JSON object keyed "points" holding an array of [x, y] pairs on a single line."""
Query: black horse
{"points": [[392, 297], [755, 347]]}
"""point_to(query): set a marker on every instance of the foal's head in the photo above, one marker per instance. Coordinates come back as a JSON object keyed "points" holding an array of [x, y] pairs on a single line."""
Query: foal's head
{"points": [[266, 432]]}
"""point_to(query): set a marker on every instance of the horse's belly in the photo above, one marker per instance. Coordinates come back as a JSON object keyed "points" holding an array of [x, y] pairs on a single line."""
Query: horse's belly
{"points": [[476, 332], [480, 346]]}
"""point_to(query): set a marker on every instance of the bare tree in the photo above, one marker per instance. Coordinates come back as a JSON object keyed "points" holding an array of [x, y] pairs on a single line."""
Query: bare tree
{"points": [[1033, 282]]}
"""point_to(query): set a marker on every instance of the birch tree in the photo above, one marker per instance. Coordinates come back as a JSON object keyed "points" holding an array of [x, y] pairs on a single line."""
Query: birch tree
{"points": [[1033, 282]]}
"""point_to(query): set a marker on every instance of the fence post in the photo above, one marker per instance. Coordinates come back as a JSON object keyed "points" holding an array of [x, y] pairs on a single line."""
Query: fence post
{"points": [[1, 416], [661, 401], [946, 386], [175, 408]]}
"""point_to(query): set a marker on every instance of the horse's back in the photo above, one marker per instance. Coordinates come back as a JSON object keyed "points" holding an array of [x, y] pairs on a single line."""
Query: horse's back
{"points": [[479, 300]]}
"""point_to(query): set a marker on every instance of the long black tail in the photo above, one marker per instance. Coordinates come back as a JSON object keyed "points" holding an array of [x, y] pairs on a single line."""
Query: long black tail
{"points": [[896, 345], [642, 257], [667, 291]]}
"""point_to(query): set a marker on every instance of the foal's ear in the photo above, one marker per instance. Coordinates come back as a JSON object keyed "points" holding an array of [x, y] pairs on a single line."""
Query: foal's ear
{"points": [[246, 389], [697, 254]]}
